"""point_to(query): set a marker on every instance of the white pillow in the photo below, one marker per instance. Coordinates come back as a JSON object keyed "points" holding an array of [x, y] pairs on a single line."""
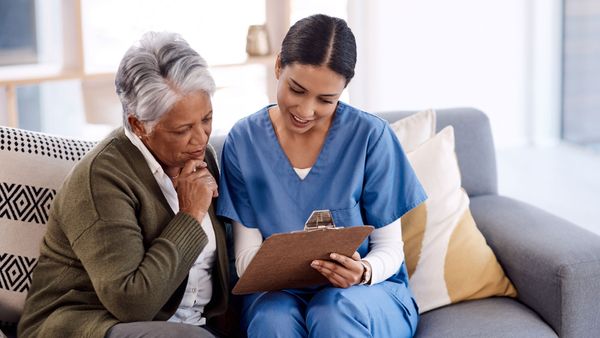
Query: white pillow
{"points": [[447, 258], [415, 129]]}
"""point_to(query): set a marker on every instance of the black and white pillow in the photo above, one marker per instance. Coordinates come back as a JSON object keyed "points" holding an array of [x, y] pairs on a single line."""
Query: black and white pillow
{"points": [[32, 167]]}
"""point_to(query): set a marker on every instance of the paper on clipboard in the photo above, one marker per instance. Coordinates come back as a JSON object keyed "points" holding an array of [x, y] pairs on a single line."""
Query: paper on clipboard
{"points": [[283, 260]]}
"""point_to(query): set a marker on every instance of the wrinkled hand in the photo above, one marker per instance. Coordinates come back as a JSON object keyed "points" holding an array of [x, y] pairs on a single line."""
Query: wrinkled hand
{"points": [[196, 188], [343, 271]]}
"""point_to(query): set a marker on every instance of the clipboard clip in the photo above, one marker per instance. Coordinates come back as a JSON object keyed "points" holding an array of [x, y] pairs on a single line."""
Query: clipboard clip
{"points": [[319, 219]]}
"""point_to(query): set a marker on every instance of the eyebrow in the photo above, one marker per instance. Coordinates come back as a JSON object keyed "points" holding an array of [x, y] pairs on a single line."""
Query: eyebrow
{"points": [[189, 124], [299, 85]]}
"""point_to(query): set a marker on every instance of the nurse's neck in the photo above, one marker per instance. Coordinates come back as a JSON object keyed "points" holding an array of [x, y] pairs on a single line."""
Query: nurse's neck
{"points": [[302, 148]]}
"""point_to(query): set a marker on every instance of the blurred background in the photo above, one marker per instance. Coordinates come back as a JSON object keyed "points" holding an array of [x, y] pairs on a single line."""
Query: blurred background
{"points": [[533, 66]]}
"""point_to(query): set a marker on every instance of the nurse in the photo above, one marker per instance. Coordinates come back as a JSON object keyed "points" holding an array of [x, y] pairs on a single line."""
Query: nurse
{"points": [[308, 152]]}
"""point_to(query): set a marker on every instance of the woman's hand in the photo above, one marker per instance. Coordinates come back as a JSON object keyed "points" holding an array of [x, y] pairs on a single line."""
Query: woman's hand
{"points": [[343, 272], [196, 188]]}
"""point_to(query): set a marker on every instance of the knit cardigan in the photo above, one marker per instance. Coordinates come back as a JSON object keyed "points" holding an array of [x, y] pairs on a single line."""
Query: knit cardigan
{"points": [[114, 251]]}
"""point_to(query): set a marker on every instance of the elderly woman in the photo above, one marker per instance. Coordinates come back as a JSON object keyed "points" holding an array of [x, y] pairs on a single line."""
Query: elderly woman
{"points": [[133, 247]]}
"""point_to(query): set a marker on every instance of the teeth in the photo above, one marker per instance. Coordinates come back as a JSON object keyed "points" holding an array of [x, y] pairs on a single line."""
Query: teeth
{"points": [[299, 119]]}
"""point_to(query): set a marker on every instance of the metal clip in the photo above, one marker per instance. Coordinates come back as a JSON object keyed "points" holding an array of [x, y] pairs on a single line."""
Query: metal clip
{"points": [[319, 219]]}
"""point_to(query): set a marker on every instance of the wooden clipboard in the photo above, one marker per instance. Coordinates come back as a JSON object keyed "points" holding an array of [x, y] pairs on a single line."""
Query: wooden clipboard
{"points": [[283, 260]]}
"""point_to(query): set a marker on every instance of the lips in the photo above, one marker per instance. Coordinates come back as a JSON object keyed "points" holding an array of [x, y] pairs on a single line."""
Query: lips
{"points": [[197, 153], [299, 122]]}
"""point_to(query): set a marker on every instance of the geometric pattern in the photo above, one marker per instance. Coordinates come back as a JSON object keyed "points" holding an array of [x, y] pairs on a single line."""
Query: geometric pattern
{"points": [[19, 140], [25, 203], [15, 272]]}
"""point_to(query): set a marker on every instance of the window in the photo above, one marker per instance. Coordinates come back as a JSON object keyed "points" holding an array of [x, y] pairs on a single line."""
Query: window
{"points": [[17, 32], [75, 48], [304, 8], [212, 28], [581, 71]]}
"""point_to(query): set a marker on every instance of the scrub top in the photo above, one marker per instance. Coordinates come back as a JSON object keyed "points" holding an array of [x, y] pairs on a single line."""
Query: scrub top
{"points": [[361, 175]]}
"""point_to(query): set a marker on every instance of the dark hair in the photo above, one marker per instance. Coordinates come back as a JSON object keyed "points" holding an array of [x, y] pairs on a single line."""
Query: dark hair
{"points": [[321, 40]]}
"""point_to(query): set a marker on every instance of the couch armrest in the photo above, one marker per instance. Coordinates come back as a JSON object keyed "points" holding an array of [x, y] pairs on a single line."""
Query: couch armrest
{"points": [[554, 264]]}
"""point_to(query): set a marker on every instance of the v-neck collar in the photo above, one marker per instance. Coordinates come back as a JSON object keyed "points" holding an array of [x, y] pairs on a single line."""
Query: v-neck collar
{"points": [[284, 167]]}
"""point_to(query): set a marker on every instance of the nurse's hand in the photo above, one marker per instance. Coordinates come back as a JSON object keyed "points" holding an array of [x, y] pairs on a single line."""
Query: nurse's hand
{"points": [[342, 271], [195, 188]]}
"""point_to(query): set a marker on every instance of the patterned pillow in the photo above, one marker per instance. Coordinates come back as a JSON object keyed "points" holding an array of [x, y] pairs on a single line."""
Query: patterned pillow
{"points": [[447, 258], [32, 167]]}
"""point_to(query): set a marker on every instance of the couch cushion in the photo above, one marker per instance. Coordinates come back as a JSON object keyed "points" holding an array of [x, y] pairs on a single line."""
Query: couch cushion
{"points": [[447, 258], [33, 166], [491, 317]]}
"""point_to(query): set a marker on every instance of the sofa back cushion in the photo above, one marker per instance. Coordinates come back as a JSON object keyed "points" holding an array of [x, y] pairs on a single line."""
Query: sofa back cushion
{"points": [[33, 166]]}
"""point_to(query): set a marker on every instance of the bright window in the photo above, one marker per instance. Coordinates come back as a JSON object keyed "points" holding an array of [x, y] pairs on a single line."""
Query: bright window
{"points": [[17, 32], [213, 28], [304, 8]]}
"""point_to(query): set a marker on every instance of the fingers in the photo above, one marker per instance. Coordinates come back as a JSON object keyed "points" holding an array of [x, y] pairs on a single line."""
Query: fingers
{"points": [[192, 166], [207, 178], [195, 187], [334, 278], [343, 271], [199, 171], [196, 172]]}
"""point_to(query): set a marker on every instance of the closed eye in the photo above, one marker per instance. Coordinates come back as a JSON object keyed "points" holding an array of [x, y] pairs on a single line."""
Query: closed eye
{"points": [[183, 130]]}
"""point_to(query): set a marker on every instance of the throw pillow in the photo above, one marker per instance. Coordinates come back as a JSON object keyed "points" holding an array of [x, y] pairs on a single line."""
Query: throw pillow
{"points": [[415, 129], [33, 166], [447, 258]]}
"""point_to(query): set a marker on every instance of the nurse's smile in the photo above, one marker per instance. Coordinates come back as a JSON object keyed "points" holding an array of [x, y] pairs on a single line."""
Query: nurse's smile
{"points": [[300, 122]]}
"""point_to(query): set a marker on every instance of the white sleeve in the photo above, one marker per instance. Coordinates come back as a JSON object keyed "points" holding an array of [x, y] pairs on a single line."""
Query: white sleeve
{"points": [[387, 251], [246, 242]]}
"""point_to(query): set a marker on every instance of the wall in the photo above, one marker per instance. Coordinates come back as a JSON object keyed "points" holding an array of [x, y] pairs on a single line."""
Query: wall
{"points": [[436, 53]]}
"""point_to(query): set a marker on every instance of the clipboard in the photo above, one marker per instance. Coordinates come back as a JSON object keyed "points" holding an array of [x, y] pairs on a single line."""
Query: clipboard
{"points": [[283, 260]]}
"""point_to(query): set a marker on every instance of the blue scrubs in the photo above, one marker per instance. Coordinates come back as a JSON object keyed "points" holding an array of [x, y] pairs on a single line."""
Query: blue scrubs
{"points": [[363, 177]]}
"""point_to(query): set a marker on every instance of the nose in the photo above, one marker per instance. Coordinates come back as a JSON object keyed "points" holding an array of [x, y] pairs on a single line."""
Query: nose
{"points": [[199, 135], [306, 109]]}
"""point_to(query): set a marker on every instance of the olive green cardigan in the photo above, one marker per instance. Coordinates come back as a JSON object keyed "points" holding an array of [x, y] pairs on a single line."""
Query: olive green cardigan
{"points": [[114, 251]]}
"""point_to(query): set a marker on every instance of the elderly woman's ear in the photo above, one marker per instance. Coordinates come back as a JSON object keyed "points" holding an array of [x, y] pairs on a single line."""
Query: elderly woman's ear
{"points": [[136, 126]]}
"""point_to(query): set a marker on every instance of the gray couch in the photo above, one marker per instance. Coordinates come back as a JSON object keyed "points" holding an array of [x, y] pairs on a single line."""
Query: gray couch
{"points": [[554, 264]]}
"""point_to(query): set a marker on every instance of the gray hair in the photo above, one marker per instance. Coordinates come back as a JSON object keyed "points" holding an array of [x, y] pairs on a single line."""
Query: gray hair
{"points": [[155, 73]]}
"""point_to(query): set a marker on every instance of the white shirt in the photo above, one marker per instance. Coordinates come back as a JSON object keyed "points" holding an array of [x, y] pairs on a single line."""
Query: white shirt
{"points": [[198, 291], [385, 257]]}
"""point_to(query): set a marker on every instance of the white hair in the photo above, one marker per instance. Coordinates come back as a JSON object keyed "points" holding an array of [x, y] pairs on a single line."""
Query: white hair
{"points": [[155, 73]]}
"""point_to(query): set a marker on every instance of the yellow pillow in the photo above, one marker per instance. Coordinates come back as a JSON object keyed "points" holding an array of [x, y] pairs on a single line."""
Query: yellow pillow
{"points": [[447, 258]]}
